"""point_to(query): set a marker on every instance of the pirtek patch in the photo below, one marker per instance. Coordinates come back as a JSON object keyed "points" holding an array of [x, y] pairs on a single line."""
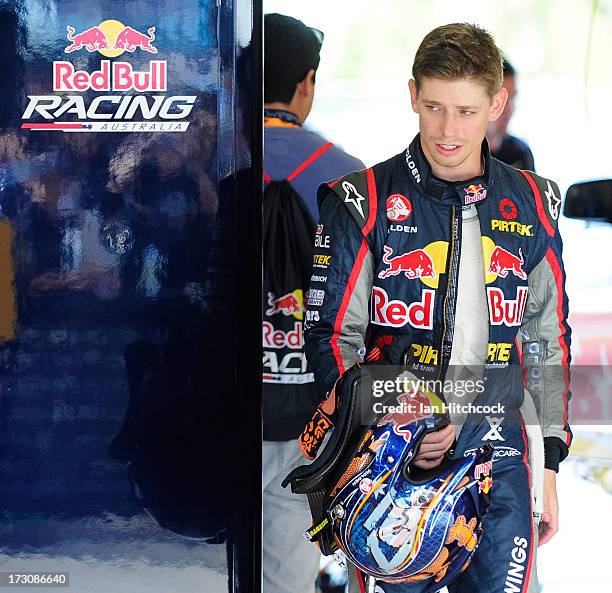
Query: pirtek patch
{"points": [[321, 260], [511, 226]]}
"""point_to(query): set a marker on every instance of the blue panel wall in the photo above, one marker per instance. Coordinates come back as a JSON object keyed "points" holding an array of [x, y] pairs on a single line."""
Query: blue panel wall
{"points": [[129, 293]]}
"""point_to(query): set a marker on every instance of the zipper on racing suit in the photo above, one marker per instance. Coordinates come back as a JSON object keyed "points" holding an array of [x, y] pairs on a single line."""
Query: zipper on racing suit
{"points": [[449, 288], [450, 292]]}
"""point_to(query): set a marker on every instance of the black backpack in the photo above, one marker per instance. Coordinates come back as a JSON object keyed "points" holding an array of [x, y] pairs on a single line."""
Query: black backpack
{"points": [[289, 395]]}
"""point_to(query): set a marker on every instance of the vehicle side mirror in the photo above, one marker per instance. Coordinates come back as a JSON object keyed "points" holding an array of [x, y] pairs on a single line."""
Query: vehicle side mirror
{"points": [[589, 200]]}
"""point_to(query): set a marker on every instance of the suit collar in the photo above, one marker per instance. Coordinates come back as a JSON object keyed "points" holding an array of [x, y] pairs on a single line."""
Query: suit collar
{"points": [[460, 193]]}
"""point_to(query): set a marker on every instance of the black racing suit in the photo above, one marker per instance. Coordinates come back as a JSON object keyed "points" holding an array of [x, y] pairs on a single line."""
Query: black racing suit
{"points": [[384, 286]]}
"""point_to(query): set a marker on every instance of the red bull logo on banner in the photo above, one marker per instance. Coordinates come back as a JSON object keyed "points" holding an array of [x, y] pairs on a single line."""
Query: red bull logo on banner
{"points": [[126, 111], [502, 262], [414, 264], [115, 76], [399, 208], [111, 38], [129, 39], [91, 39], [291, 303]]}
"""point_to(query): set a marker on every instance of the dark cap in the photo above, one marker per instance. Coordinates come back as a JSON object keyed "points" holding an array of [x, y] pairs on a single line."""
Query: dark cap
{"points": [[291, 49]]}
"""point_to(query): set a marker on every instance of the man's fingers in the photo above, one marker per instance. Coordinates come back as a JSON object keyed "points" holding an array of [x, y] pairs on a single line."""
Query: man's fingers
{"points": [[430, 455], [547, 529], [440, 436], [437, 449], [442, 446], [546, 534], [428, 464], [433, 446]]}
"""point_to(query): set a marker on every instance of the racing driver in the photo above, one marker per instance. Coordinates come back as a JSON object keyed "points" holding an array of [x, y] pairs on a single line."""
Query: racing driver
{"points": [[443, 257]]}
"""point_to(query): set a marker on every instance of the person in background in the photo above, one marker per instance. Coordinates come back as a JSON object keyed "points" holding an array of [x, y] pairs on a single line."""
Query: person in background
{"points": [[305, 159], [505, 147], [291, 59]]}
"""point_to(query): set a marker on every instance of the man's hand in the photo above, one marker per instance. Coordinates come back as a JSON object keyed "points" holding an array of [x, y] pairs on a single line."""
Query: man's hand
{"points": [[433, 446], [549, 524]]}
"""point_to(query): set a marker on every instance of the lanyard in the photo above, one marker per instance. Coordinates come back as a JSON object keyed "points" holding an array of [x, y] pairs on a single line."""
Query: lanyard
{"points": [[281, 118]]}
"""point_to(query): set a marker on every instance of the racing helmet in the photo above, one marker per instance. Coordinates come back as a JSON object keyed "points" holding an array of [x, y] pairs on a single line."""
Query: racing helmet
{"points": [[399, 524], [392, 520]]}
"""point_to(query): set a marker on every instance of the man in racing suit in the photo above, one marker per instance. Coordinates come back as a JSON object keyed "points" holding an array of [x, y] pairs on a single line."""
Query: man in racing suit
{"points": [[445, 256]]}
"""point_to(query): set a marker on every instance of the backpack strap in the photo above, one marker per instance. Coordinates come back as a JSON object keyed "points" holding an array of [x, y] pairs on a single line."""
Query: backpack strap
{"points": [[301, 168]]}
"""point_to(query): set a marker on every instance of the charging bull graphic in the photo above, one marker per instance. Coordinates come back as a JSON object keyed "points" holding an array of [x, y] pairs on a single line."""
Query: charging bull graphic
{"points": [[289, 304], [415, 264], [410, 410], [92, 39], [129, 39], [503, 261]]}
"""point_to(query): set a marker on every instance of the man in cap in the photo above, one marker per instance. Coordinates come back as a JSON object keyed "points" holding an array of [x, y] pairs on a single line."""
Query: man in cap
{"points": [[306, 159]]}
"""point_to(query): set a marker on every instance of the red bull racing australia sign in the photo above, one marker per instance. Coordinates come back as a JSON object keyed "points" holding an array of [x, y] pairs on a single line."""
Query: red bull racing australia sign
{"points": [[114, 97]]}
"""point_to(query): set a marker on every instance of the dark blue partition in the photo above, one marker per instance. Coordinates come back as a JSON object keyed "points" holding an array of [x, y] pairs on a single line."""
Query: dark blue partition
{"points": [[130, 150]]}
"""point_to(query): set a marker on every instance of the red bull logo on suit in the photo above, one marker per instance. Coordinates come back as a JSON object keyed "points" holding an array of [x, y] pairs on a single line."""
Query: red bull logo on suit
{"points": [[502, 262], [414, 264], [395, 313], [474, 193], [503, 311]]}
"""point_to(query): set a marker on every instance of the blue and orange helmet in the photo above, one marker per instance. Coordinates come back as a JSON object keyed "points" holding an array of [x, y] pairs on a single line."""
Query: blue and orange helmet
{"points": [[400, 524], [392, 520]]}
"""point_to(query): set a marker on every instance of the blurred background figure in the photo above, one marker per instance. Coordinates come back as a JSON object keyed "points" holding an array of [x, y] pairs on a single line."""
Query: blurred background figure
{"points": [[304, 159], [291, 60], [505, 147]]}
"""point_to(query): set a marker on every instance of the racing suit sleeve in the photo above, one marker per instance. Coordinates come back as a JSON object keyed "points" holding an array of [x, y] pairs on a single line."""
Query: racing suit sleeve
{"points": [[545, 340], [337, 313]]}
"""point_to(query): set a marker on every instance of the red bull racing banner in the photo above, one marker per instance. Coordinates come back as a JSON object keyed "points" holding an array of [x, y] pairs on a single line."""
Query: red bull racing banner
{"points": [[130, 91], [130, 302]]}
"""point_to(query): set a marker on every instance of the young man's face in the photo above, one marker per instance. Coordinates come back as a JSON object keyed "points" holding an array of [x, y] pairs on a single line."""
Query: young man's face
{"points": [[453, 120]]}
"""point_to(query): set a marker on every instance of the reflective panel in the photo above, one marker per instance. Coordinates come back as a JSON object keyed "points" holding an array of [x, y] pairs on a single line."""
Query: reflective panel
{"points": [[129, 307]]}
